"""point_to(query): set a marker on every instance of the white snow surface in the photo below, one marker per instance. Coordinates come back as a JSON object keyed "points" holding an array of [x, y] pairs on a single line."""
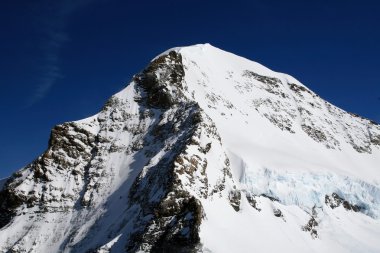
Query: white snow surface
{"points": [[262, 125]]}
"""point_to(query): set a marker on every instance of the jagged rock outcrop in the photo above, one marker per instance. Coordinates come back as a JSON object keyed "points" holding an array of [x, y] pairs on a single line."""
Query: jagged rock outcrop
{"points": [[335, 201]]}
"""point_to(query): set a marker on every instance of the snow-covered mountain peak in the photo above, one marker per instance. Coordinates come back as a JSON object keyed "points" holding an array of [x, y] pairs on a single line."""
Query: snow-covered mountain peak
{"points": [[203, 151], [219, 80]]}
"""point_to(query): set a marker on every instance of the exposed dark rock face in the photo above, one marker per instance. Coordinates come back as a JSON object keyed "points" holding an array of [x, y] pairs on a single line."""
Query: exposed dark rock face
{"points": [[235, 197], [270, 197], [252, 201], [271, 81], [70, 149], [311, 227], [8, 204], [174, 214], [171, 214], [312, 224], [299, 89], [335, 201], [157, 84], [175, 225], [277, 213], [375, 140]]}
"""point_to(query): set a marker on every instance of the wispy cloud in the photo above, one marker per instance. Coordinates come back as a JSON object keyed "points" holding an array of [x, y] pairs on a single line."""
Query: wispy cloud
{"points": [[52, 23]]}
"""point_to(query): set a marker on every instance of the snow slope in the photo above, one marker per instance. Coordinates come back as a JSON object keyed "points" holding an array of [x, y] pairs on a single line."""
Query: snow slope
{"points": [[259, 151], [204, 151], [286, 165]]}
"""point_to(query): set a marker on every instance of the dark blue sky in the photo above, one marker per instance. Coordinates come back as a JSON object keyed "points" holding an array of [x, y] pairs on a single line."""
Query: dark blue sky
{"points": [[61, 60]]}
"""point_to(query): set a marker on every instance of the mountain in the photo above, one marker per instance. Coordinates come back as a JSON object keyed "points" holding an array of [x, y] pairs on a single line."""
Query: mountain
{"points": [[204, 151]]}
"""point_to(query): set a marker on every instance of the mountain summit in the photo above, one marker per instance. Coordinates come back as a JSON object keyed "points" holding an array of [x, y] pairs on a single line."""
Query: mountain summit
{"points": [[204, 151]]}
